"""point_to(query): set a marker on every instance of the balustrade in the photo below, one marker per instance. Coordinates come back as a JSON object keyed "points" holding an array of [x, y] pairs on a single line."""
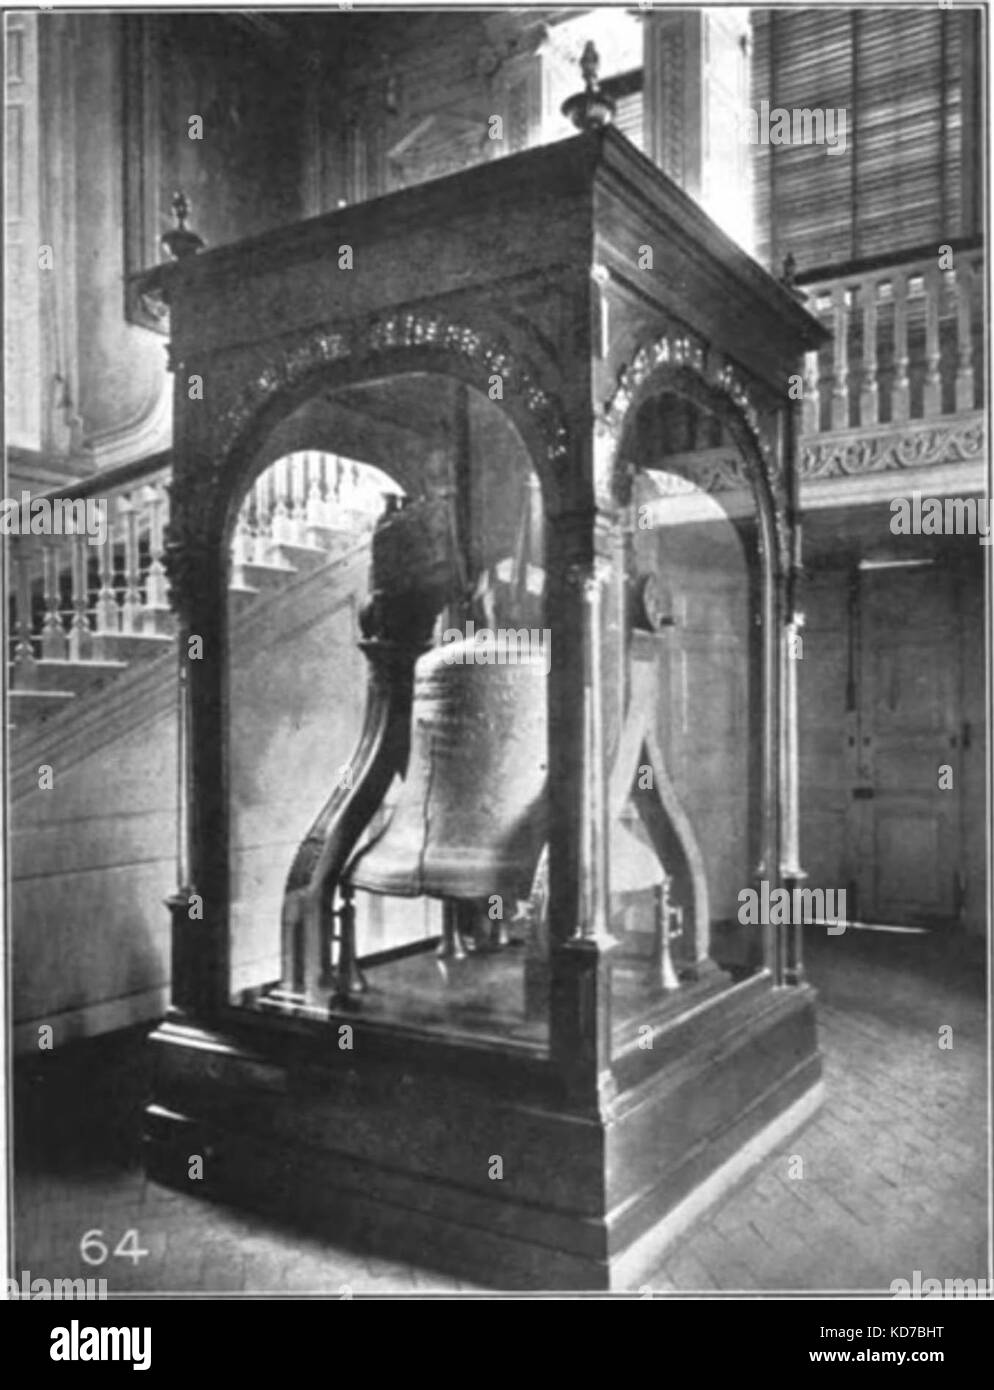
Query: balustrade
{"points": [[95, 573], [907, 336], [307, 500]]}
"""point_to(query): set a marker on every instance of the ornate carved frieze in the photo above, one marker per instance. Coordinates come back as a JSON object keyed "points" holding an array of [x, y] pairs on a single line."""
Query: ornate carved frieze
{"points": [[323, 347], [679, 349], [916, 445], [204, 463]]}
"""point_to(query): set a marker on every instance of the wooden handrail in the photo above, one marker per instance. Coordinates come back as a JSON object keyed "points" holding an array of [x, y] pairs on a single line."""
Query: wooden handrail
{"points": [[886, 261], [112, 479]]}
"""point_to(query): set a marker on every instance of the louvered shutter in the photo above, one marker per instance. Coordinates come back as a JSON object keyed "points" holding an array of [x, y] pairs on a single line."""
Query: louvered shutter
{"points": [[897, 74], [628, 118]]}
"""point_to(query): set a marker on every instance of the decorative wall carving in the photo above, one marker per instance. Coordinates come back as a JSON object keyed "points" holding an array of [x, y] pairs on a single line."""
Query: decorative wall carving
{"points": [[958, 440], [709, 470], [718, 381]]}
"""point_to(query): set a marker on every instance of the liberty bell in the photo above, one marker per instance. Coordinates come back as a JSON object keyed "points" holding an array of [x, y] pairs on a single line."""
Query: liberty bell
{"points": [[470, 818]]}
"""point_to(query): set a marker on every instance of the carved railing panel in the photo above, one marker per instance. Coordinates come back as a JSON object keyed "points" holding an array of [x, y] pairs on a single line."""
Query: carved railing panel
{"points": [[900, 385]]}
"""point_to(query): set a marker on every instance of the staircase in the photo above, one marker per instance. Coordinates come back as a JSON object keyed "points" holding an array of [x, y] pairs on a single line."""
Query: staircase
{"points": [[90, 598], [92, 698]]}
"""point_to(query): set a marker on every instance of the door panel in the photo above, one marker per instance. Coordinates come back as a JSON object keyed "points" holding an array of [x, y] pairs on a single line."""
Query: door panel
{"points": [[908, 702], [880, 712]]}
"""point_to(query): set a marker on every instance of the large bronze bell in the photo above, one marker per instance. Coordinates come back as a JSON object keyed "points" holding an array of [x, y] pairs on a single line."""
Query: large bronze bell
{"points": [[470, 818]]}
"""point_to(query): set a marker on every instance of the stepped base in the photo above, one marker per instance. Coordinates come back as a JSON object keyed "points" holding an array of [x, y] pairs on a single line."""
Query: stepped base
{"points": [[264, 578], [73, 676], [390, 1147], [129, 646], [25, 705]]}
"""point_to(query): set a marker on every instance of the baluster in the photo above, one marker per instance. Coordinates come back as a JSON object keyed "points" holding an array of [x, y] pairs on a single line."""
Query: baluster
{"points": [[343, 495], [840, 384], [53, 637], [131, 606], [932, 394], [24, 653], [263, 522], [80, 642], [107, 615], [356, 517], [811, 412], [901, 399], [156, 587], [330, 471], [313, 510], [298, 499], [964, 336], [281, 529], [869, 403], [338, 499], [323, 488]]}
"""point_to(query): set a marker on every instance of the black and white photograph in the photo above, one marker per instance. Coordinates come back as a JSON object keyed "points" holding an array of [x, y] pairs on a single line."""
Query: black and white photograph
{"points": [[497, 741]]}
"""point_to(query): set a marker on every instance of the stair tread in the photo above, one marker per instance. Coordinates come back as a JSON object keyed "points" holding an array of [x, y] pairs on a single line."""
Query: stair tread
{"points": [[303, 556], [150, 639], [57, 663], [268, 567], [32, 694], [56, 673]]}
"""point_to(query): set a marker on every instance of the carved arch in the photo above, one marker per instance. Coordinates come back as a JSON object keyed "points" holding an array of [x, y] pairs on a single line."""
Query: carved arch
{"points": [[680, 365], [213, 471]]}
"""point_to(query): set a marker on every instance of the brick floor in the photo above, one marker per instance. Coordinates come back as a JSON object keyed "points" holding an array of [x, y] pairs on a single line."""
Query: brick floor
{"points": [[893, 1178]]}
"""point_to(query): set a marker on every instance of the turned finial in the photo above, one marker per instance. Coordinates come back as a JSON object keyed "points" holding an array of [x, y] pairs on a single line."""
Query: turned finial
{"points": [[180, 241], [591, 108]]}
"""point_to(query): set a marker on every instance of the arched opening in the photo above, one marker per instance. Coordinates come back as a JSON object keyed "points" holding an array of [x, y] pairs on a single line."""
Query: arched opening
{"points": [[421, 488], [702, 580]]}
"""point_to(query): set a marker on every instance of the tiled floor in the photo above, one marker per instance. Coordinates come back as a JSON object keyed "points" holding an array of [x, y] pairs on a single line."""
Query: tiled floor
{"points": [[891, 1178]]}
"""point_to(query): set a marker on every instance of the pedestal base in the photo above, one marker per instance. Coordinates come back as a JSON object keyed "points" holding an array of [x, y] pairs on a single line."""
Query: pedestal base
{"points": [[473, 1161]]}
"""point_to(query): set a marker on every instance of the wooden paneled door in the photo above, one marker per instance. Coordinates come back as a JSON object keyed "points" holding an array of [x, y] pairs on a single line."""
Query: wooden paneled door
{"points": [[881, 742], [905, 740]]}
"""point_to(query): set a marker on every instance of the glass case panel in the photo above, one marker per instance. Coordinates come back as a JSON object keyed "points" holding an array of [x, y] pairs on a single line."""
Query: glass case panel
{"points": [[694, 808], [387, 681]]}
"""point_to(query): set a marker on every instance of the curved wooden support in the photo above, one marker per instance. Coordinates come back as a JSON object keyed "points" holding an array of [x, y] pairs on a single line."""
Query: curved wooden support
{"points": [[411, 565], [659, 806], [314, 875]]}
